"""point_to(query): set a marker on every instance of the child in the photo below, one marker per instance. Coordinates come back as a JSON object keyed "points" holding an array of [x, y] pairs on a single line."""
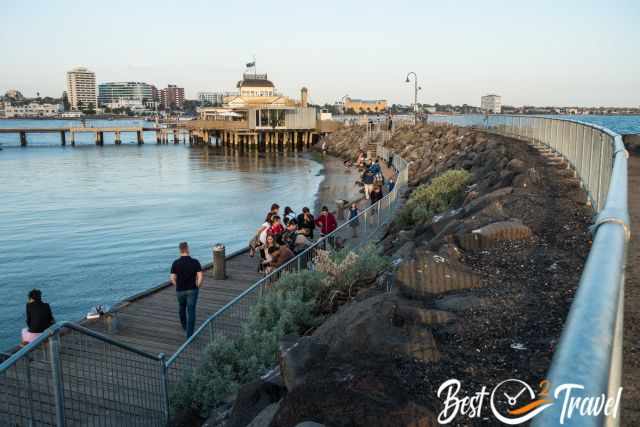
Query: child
{"points": [[276, 228]]}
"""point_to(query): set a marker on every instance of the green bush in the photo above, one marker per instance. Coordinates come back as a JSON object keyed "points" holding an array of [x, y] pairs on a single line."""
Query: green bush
{"points": [[287, 308], [441, 194], [229, 362]]}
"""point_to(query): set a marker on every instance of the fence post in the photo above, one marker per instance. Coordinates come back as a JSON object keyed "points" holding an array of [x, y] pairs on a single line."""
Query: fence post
{"points": [[164, 388], [56, 371], [299, 268], [599, 194], [365, 223], [30, 393]]}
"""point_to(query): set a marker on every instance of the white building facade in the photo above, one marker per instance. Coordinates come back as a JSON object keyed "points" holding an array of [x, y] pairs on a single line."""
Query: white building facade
{"points": [[81, 88], [32, 110], [491, 103], [213, 98], [117, 91]]}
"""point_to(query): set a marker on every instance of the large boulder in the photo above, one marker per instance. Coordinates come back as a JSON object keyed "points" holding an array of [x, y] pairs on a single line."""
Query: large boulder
{"points": [[251, 399], [297, 359], [265, 417], [384, 325], [430, 274], [489, 235], [479, 203], [363, 391]]}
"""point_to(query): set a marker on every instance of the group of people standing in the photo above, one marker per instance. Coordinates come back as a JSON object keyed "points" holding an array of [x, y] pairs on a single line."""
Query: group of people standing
{"points": [[372, 178], [279, 239]]}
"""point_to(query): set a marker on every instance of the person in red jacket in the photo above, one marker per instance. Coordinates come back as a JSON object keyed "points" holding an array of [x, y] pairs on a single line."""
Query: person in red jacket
{"points": [[326, 221]]}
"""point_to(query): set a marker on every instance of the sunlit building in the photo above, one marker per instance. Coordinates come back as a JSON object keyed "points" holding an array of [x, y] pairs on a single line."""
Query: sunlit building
{"points": [[365, 105], [113, 92], [172, 97], [258, 114], [81, 88], [491, 103]]}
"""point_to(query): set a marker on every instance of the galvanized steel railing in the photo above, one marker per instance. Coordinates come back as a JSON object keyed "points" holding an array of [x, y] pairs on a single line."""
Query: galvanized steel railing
{"points": [[590, 349], [227, 320], [71, 375]]}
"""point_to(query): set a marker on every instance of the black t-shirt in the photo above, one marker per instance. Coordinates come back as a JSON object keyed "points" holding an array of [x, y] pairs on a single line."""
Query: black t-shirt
{"points": [[39, 316], [185, 268]]}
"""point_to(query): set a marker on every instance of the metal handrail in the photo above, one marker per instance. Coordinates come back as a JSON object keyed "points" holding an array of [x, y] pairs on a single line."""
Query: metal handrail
{"points": [[17, 370], [284, 267], [590, 349], [57, 328]]}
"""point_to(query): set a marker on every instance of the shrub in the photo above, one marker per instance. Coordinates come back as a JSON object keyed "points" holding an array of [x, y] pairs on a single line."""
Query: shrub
{"points": [[288, 307], [441, 194], [345, 271], [228, 362]]}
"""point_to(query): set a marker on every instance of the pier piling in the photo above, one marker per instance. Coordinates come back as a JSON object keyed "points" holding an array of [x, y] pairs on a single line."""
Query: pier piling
{"points": [[63, 138], [23, 139]]}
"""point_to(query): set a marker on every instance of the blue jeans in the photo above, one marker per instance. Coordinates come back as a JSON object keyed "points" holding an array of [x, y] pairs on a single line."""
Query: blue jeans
{"points": [[187, 301]]}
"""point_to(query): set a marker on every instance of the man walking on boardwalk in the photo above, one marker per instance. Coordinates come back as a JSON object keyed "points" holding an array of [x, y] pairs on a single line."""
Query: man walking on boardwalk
{"points": [[186, 276]]}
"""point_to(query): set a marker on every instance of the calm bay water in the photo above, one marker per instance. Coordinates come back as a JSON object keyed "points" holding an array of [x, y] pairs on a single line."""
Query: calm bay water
{"points": [[91, 225]]}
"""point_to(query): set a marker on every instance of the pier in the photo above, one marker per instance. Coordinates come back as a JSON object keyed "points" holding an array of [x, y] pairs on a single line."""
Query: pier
{"points": [[149, 320], [68, 133]]}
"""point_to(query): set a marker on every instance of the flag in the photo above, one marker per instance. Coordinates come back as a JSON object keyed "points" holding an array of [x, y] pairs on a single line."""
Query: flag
{"points": [[251, 64]]}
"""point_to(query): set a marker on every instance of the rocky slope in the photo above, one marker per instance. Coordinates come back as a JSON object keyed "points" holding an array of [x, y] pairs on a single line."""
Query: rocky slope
{"points": [[481, 292]]}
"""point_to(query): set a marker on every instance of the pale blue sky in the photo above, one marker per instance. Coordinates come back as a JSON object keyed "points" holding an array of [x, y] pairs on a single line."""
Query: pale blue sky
{"points": [[531, 52]]}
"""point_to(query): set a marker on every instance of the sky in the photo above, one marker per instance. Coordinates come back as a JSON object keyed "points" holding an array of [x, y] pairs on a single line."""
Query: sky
{"points": [[530, 52]]}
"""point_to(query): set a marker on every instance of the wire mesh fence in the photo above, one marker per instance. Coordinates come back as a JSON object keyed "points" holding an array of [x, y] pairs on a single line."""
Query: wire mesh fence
{"points": [[76, 377], [589, 149], [590, 349]]}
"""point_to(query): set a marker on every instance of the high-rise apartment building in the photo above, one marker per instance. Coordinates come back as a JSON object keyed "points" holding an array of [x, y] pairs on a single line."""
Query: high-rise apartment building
{"points": [[125, 91], [81, 88], [172, 97], [491, 104]]}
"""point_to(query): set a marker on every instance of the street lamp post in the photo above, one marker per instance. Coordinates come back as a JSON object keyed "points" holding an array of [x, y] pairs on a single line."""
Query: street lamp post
{"points": [[415, 95], [342, 103]]}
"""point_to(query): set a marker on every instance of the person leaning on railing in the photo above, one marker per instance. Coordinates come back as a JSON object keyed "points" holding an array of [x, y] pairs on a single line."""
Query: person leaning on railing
{"points": [[39, 317]]}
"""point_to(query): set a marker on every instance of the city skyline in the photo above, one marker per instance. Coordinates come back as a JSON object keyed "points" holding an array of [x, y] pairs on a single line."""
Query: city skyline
{"points": [[542, 54]]}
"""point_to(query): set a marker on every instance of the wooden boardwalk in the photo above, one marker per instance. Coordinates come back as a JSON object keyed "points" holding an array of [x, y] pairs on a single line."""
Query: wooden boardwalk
{"points": [[150, 321]]}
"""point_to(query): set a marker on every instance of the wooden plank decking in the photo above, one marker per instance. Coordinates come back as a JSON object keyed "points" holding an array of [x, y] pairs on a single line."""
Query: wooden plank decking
{"points": [[150, 322]]}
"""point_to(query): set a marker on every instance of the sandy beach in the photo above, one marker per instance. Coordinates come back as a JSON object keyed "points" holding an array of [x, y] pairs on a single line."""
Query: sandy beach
{"points": [[339, 183]]}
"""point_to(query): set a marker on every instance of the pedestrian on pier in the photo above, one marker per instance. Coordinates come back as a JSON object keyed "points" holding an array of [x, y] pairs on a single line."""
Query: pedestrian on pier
{"points": [[367, 179], [391, 185], [276, 229], [306, 223], [289, 215], [187, 277], [280, 255], [376, 195], [326, 221], [39, 317]]}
